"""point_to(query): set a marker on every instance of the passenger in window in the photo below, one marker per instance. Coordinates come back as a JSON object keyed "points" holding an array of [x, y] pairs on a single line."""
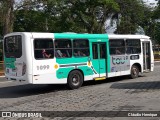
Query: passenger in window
{"points": [[58, 53], [68, 46], [128, 50], [79, 53], [45, 55], [56, 44], [118, 51], [75, 53], [82, 54], [68, 51]]}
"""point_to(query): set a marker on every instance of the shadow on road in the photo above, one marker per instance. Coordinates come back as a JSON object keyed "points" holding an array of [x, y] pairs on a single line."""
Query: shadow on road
{"points": [[29, 90], [137, 85]]}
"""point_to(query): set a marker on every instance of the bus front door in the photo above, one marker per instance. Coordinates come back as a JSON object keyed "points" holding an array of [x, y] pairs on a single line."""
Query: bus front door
{"points": [[146, 56], [99, 60]]}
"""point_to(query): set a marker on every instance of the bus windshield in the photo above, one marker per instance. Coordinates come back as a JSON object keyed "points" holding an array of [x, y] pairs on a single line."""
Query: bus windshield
{"points": [[13, 46]]}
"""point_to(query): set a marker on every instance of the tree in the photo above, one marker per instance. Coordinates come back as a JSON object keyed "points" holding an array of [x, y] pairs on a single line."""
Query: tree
{"points": [[7, 16], [6, 20], [82, 15], [151, 23], [156, 27], [156, 14], [32, 16], [157, 33], [131, 16], [29, 21]]}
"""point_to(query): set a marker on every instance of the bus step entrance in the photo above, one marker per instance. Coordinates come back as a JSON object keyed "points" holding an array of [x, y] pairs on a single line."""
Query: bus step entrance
{"points": [[146, 71], [99, 78]]}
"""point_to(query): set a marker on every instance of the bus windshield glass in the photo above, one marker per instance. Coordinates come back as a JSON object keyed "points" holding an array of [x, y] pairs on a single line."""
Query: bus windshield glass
{"points": [[13, 46]]}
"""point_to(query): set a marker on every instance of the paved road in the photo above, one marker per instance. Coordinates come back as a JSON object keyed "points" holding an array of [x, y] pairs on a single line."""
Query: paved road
{"points": [[116, 94]]}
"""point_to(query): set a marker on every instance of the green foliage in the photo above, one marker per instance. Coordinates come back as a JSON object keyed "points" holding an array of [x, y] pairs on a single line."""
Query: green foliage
{"points": [[156, 16], [151, 23], [157, 33], [132, 15], [66, 16], [29, 20], [82, 16], [156, 13]]}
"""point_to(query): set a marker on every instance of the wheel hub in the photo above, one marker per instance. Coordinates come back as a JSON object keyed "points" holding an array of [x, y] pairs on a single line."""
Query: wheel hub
{"points": [[75, 80], [134, 71]]}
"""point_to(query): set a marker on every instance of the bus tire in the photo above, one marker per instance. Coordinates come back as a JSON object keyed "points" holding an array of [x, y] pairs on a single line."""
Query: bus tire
{"points": [[134, 72], [75, 79]]}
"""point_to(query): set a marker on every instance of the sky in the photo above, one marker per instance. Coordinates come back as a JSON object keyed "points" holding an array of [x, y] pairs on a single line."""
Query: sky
{"points": [[151, 3]]}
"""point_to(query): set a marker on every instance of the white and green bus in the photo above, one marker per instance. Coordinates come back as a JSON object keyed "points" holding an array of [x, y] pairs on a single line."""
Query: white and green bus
{"points": [[70, 58]]}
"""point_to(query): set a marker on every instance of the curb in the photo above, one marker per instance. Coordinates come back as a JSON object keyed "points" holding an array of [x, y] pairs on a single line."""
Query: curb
{"points": [[2, 79], [156, 61]]}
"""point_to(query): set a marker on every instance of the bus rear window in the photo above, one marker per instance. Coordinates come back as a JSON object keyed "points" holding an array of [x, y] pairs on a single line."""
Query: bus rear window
{"points": [[13, 46]]}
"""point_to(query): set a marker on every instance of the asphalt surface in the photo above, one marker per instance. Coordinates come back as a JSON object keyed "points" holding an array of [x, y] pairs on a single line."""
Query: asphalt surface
{"points": [[119, 94]]}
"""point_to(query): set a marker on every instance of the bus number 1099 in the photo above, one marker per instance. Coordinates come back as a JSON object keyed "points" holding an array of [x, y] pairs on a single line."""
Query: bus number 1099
{"points": [[43, 67]]}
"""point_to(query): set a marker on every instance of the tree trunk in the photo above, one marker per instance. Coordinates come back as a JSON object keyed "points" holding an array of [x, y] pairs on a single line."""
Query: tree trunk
{"points": [[8, 16]]}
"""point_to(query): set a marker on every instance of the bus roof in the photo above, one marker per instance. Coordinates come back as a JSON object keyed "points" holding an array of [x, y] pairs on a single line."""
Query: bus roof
{"points": [[59, 35], [78, 35], [116, 36]]}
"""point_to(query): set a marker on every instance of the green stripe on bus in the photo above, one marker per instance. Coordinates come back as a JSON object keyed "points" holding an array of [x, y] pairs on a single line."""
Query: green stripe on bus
{"points": [[9, 62], [75, 60]]}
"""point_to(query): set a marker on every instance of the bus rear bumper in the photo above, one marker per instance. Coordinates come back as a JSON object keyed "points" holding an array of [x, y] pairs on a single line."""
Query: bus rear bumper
{"points": [[23, 79], [17, 80]]}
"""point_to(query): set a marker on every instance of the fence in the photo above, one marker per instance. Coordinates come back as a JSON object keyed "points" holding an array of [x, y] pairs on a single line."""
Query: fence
{"points": [[156, 51], [1, 68]]}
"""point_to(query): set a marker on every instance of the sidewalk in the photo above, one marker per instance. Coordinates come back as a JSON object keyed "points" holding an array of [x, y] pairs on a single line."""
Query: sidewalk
{"points": [[2, 78], [156, 62]]}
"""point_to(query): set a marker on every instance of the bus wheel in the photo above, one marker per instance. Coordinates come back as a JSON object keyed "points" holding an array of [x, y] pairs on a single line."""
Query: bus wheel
{"points": [[134, 72], [75, 79]]}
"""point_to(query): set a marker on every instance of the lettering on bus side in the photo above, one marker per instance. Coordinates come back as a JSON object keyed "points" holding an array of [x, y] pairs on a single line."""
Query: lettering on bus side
{"points": [[119, 60], [120, 63]]}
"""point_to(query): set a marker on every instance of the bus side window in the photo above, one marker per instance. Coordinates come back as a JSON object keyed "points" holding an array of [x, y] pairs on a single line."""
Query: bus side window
{"points": [[43, 49], [63, 48], [117, 46], [80, 47], [133, 46]]}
